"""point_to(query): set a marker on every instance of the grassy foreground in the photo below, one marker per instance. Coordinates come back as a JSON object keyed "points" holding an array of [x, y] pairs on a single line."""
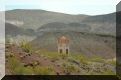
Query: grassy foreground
{"points": [[25, 60]]}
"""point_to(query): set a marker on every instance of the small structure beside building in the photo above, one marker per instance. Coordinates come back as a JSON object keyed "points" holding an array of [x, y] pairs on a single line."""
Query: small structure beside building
{"points": [[63, 45]]}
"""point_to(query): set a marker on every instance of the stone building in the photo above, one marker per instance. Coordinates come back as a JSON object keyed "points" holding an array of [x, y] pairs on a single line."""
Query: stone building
{"points": [[63, 45]]}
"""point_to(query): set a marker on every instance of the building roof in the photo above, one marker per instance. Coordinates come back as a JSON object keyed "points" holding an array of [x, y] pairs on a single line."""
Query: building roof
{"points": [[63, 40]]}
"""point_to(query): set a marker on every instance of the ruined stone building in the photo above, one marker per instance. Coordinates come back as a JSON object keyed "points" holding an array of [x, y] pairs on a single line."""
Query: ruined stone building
{"points": [[63, 45]]}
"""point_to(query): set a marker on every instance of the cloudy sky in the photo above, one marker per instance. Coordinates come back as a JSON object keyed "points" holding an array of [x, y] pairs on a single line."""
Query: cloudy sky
{"points": [[90, 7]]}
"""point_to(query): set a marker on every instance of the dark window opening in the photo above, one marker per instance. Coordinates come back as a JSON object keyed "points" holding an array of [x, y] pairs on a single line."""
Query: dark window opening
{"points": [[66, 51]]}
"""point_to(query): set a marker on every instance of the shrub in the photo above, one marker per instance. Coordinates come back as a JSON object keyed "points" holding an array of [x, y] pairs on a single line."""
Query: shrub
{"points": [[69, 68], [13, 63], [17, 68], [20, 70], [26, 46], [83, 60]]}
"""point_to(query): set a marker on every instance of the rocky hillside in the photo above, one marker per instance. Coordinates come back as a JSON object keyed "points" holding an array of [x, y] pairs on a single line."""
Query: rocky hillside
{"points": [[13, 30], [41, 62], [35, 19], [80, 43]]}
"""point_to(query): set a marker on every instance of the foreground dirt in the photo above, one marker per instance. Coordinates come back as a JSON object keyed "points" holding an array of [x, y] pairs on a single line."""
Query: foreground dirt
{"points": [[34, 59], [27, 59]]}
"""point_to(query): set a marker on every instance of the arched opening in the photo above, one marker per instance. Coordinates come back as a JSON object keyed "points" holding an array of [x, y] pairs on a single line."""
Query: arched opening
{"points": [[67, 51]]}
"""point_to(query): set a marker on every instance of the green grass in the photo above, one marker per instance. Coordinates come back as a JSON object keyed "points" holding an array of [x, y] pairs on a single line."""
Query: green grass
{"points": [[14, 62], [52, 55], [21, 70], [69, 67], [81, 58], [39, 70], [18, 69], [97, 59], [113, 62], [108, 72], [26, 46]]}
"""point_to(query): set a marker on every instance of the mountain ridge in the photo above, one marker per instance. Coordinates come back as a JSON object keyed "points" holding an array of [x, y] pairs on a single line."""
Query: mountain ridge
{"points": [[34, 19]]}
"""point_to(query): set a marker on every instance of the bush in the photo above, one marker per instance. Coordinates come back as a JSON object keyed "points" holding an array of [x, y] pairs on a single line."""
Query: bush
{"points": [[26, 46], [17, 68], [13, 63], [69, 68]]}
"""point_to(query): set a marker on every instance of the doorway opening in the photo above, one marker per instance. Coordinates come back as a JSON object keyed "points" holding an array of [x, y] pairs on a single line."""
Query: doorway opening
{"points": [[67, 51]]}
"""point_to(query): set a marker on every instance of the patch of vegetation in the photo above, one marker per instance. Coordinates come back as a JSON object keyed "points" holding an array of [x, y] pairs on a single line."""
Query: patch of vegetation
{"points": [[81, 58], [52, 55], [70, 68], [20, 70], [97, 59], [26, 46], [13, 63], [71, 64], [9, 55], [108, 72], [17, 68], [7, 39], [113, 62], [64, 56], [39, 70]]}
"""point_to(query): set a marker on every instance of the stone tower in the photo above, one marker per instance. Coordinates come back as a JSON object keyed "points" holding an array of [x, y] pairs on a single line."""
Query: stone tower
{"points": [[63, 45]]}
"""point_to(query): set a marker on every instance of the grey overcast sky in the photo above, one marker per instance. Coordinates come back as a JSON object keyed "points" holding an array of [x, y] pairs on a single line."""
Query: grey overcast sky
{"points": [[90, 7]]}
